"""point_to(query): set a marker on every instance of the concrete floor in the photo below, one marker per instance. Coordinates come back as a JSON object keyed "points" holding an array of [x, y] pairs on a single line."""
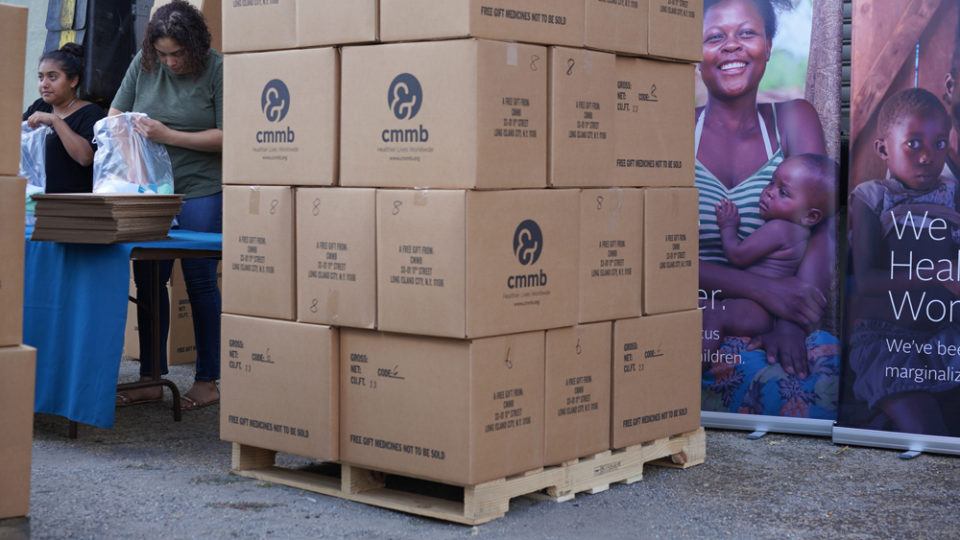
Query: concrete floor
{"points": [[152, 477]]}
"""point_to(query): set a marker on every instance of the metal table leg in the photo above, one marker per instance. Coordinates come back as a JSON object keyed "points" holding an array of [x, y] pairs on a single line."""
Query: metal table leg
{"points": [[156, 378]]}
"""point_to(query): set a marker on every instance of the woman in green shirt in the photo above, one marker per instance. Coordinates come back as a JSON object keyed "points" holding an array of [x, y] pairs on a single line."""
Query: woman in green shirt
{"points": [[177, 80]]}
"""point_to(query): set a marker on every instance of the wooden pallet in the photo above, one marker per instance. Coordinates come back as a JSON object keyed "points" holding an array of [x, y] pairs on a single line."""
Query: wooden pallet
{"points": [[482, 502]]}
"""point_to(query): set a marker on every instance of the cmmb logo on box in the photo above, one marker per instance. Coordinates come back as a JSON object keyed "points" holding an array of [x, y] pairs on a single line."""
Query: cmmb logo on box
{"points": [[405, 97], [527, 247], [275, 104]]}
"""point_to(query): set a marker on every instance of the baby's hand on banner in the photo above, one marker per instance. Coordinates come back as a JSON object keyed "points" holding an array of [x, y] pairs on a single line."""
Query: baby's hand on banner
{"points": [[727, 214], [786, 345], [152, 129]]}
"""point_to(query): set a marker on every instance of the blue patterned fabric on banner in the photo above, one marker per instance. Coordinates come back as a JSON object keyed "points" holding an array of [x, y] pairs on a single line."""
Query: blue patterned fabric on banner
{"points": [[755, 386]]}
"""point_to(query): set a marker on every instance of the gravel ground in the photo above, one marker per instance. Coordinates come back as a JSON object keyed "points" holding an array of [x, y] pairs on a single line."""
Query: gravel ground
{"points": [[150, 476]]}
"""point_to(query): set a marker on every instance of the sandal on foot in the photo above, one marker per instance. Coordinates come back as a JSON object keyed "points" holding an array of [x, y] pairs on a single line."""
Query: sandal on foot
{"points": [[124, 399], [189, 404]]}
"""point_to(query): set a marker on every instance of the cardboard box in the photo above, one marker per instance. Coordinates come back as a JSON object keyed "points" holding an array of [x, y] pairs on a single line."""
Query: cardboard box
{"points": [[17, 375], [259, 26], [675, 29], [665, 28], [337, 256], [181, 343], [656, 377], [582, 105], [619, 27], [12, 192], [611, 254], [653, 130], [211, 14], [550, 22], [458, 114], [13, 28], [258, 259], [671, 262], [460, 412], [280, 388], [288, 24], [336, 22], [280, 119], [475, 264], [577, 416]]}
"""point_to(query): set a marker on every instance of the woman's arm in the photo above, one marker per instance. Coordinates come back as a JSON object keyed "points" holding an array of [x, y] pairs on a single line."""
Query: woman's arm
{"points": [[787, 298], [76, 146], [208, 140]]}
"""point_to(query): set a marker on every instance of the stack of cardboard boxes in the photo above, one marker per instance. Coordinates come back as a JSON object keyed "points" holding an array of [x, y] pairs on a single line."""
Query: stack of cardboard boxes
{"points": [[469, 250], [17, 362]]}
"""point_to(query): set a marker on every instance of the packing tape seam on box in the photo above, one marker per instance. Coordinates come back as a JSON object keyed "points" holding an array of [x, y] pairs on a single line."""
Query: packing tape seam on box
{"points": [[513, 54], [420, 196], [254, 208]]}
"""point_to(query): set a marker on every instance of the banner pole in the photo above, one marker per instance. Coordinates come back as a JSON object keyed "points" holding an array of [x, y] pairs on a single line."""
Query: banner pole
{"points": [[897, 440], [770, 424]]}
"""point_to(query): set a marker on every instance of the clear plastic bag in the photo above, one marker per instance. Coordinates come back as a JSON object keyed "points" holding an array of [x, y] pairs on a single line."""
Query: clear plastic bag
{"points": [[33, 143], [128, 162]]}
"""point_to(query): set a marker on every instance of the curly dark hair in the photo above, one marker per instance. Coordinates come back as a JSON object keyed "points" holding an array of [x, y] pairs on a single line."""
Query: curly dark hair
{"points": [[184, 24], [70, 59], [768, 10], [910, 101]]}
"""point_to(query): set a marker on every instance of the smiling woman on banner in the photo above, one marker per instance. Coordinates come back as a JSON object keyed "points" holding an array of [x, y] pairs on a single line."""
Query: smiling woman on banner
{"points": [[177, 80], [739, 144], [68, 149]]}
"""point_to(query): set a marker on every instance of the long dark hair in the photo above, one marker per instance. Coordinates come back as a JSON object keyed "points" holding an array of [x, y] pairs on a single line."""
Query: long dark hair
{"points": [[768, 10], [184, 24], [70, 59]]}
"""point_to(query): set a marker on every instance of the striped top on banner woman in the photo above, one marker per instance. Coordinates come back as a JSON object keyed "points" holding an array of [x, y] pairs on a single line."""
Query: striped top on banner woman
{"points": [[746, 194]]}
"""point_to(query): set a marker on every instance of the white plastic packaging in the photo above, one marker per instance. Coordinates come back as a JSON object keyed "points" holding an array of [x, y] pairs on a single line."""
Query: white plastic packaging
{"points": [[128, 162], [33, 144]]}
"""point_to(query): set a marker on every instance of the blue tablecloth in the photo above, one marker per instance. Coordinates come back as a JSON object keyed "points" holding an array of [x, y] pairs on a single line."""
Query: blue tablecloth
{"points": [[74, 313]]}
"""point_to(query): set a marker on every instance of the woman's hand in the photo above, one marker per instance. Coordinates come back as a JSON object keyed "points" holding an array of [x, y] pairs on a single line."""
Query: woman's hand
{"points": [[785, 344], [792, 299], [153, 130], [38, 119]]}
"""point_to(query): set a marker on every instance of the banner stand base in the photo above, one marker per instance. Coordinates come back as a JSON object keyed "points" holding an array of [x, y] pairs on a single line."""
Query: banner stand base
{"points": [[910, 454], [909, 442], [766, 424]]}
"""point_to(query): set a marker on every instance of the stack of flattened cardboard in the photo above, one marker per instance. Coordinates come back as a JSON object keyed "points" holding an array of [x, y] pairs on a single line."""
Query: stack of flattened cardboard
{"points": [[467, 251], [91, 218]]}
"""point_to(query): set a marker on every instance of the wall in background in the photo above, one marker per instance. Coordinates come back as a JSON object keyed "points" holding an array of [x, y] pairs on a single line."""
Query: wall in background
{"points": [[36, 33]]}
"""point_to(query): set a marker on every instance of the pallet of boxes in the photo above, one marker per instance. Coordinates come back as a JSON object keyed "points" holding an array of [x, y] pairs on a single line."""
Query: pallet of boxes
{"points": [[460, 244], [17, 361]]}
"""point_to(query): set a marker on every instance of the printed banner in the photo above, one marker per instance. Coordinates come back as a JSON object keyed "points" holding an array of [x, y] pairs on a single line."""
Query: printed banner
{"points": [[903, 295], [767, 141]]}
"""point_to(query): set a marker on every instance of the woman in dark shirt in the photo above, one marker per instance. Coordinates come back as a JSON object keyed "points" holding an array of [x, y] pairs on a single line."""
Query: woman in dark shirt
{"points": [[69, 148]]}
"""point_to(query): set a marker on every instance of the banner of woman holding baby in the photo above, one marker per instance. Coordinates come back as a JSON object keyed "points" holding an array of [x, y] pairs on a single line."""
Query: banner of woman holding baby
{"points": [[767, 131], [903, 308]]}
